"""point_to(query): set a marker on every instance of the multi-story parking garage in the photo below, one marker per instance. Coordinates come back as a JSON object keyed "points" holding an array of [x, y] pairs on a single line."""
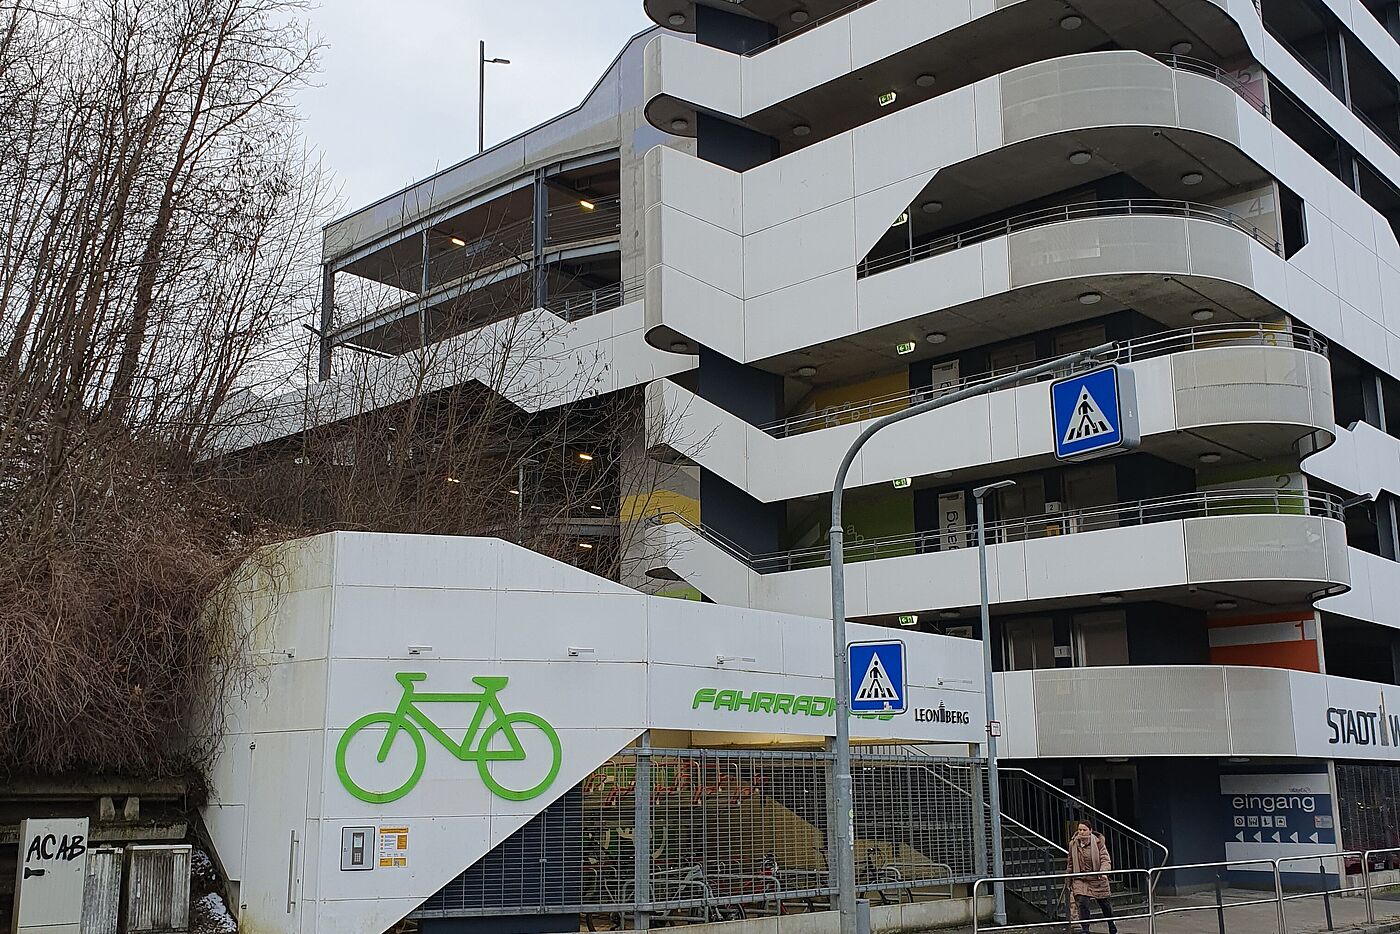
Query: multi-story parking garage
{"points": [[786, 218]]}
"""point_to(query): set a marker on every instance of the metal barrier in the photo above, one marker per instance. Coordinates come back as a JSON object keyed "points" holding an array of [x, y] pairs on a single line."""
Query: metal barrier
{"points": [[1145, 875], [1275, 895], [1112, 207], [687, 836], [1201, 337], [1202, 504], [1368, 866]]}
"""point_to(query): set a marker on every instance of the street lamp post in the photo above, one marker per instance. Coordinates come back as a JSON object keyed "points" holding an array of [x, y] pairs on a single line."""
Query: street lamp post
{"points": [[843, 811], [482, 62], [993, 781]]}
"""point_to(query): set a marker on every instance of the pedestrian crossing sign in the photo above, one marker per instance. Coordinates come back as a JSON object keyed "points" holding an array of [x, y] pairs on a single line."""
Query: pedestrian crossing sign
{"points": [[1094, 413], [877, 677]]}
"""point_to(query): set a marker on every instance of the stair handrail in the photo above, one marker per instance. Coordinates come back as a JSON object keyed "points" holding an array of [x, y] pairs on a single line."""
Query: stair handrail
{"points": [[987, 805], [1107, 818]]}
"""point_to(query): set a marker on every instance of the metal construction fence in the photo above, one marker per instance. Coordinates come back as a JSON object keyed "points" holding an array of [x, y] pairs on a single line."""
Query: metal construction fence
{"points": [[1334, 891], [673, 836]]}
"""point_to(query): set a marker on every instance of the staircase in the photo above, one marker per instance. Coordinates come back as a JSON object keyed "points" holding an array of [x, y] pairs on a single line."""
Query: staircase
{"points": [[1035, 816], [1026, 853], [1035, 805]]}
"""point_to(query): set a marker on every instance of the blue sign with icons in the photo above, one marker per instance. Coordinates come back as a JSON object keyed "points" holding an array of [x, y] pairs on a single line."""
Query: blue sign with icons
{"points": [[877, 677], [1094, 413]]}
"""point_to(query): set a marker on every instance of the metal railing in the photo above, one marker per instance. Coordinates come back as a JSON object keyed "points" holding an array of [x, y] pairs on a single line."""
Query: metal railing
{"points": [[1287, 884], [1049, 810], [1117, 207], [1202, 504], [1196, 338], [573, 223], [700, 835], [1210, 70], [1141, 880], [582, 303]]}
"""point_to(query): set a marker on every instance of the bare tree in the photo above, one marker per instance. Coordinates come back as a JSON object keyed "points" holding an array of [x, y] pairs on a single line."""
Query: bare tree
{"points": [[157, 222], [158, 250], [486, 420]]}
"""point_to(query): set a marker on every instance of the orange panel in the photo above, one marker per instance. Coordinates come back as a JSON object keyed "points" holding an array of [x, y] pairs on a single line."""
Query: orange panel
{"points": [[1299, 656]]}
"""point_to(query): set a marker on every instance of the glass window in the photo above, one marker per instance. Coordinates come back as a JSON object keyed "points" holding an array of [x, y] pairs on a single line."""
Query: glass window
{"points": [[1102, 639], [1012, 355], [1030, 644], [1080, 338]]}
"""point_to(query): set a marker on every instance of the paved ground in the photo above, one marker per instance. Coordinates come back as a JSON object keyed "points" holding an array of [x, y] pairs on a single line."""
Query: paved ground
{"points": [[1245, 912], [1197, 914]]}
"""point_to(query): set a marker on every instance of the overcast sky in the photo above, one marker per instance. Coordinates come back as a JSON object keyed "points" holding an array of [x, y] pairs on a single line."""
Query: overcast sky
{"points": [[396, 96]]}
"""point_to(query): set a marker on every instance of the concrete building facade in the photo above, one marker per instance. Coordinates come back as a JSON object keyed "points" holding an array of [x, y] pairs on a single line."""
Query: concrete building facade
{"points": [[787, 217]]}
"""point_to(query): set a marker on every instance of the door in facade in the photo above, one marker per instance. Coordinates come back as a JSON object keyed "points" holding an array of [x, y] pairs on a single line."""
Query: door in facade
{"points": [[1112, 789]]}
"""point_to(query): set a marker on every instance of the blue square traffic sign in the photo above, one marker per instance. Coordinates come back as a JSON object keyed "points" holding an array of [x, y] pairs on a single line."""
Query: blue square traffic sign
{"points": [[877, 677], [1094, 413]]}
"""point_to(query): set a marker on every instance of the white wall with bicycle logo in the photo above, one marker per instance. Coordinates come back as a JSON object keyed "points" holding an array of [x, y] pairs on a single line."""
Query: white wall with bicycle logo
{"points": [[432, 694]]}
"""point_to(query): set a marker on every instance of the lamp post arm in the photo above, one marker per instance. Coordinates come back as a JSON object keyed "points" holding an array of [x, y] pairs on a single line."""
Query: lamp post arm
{"points": [[842, 816], [981, 389]]}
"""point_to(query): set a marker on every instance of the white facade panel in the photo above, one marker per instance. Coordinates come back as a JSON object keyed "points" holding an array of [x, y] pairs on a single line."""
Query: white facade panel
{"points": [[555, 636]]}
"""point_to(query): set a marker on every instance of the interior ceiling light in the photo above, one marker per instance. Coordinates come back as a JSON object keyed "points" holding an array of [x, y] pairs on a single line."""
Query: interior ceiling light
{"points": [[452, 480], [800, 16], [948, 614], [1181, 48], [802, 129], [925, 81], [587, 205], [586, 546], [943, 474], [1203, 314], [458, 241], [1111, 598], [680, 347], [1090, 298], [1070, 23], [1080, 157], [680, 124], [1192, 178], [596, 508], [584, 456], [931, 207], [676, 19], [937, 337], [1210, 457], [806, 372], [513, 492], [1225, 604]]}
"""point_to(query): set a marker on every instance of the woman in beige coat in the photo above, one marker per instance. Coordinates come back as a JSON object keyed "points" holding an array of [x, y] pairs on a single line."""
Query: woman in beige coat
{"points": [[1088, 852]]}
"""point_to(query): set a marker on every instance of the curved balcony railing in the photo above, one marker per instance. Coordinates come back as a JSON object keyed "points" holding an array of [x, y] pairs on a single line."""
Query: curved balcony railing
{"points": [[1203, 504], [1255, 98], [1247, 334], [1119, 207]]}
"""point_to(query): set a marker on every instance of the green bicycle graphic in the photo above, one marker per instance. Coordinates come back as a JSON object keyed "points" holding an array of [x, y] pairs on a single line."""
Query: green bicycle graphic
{"points": [[413, 722]]}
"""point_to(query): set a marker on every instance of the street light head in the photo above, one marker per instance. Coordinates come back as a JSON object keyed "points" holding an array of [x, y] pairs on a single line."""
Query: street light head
{"points": [[982, 491]]}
